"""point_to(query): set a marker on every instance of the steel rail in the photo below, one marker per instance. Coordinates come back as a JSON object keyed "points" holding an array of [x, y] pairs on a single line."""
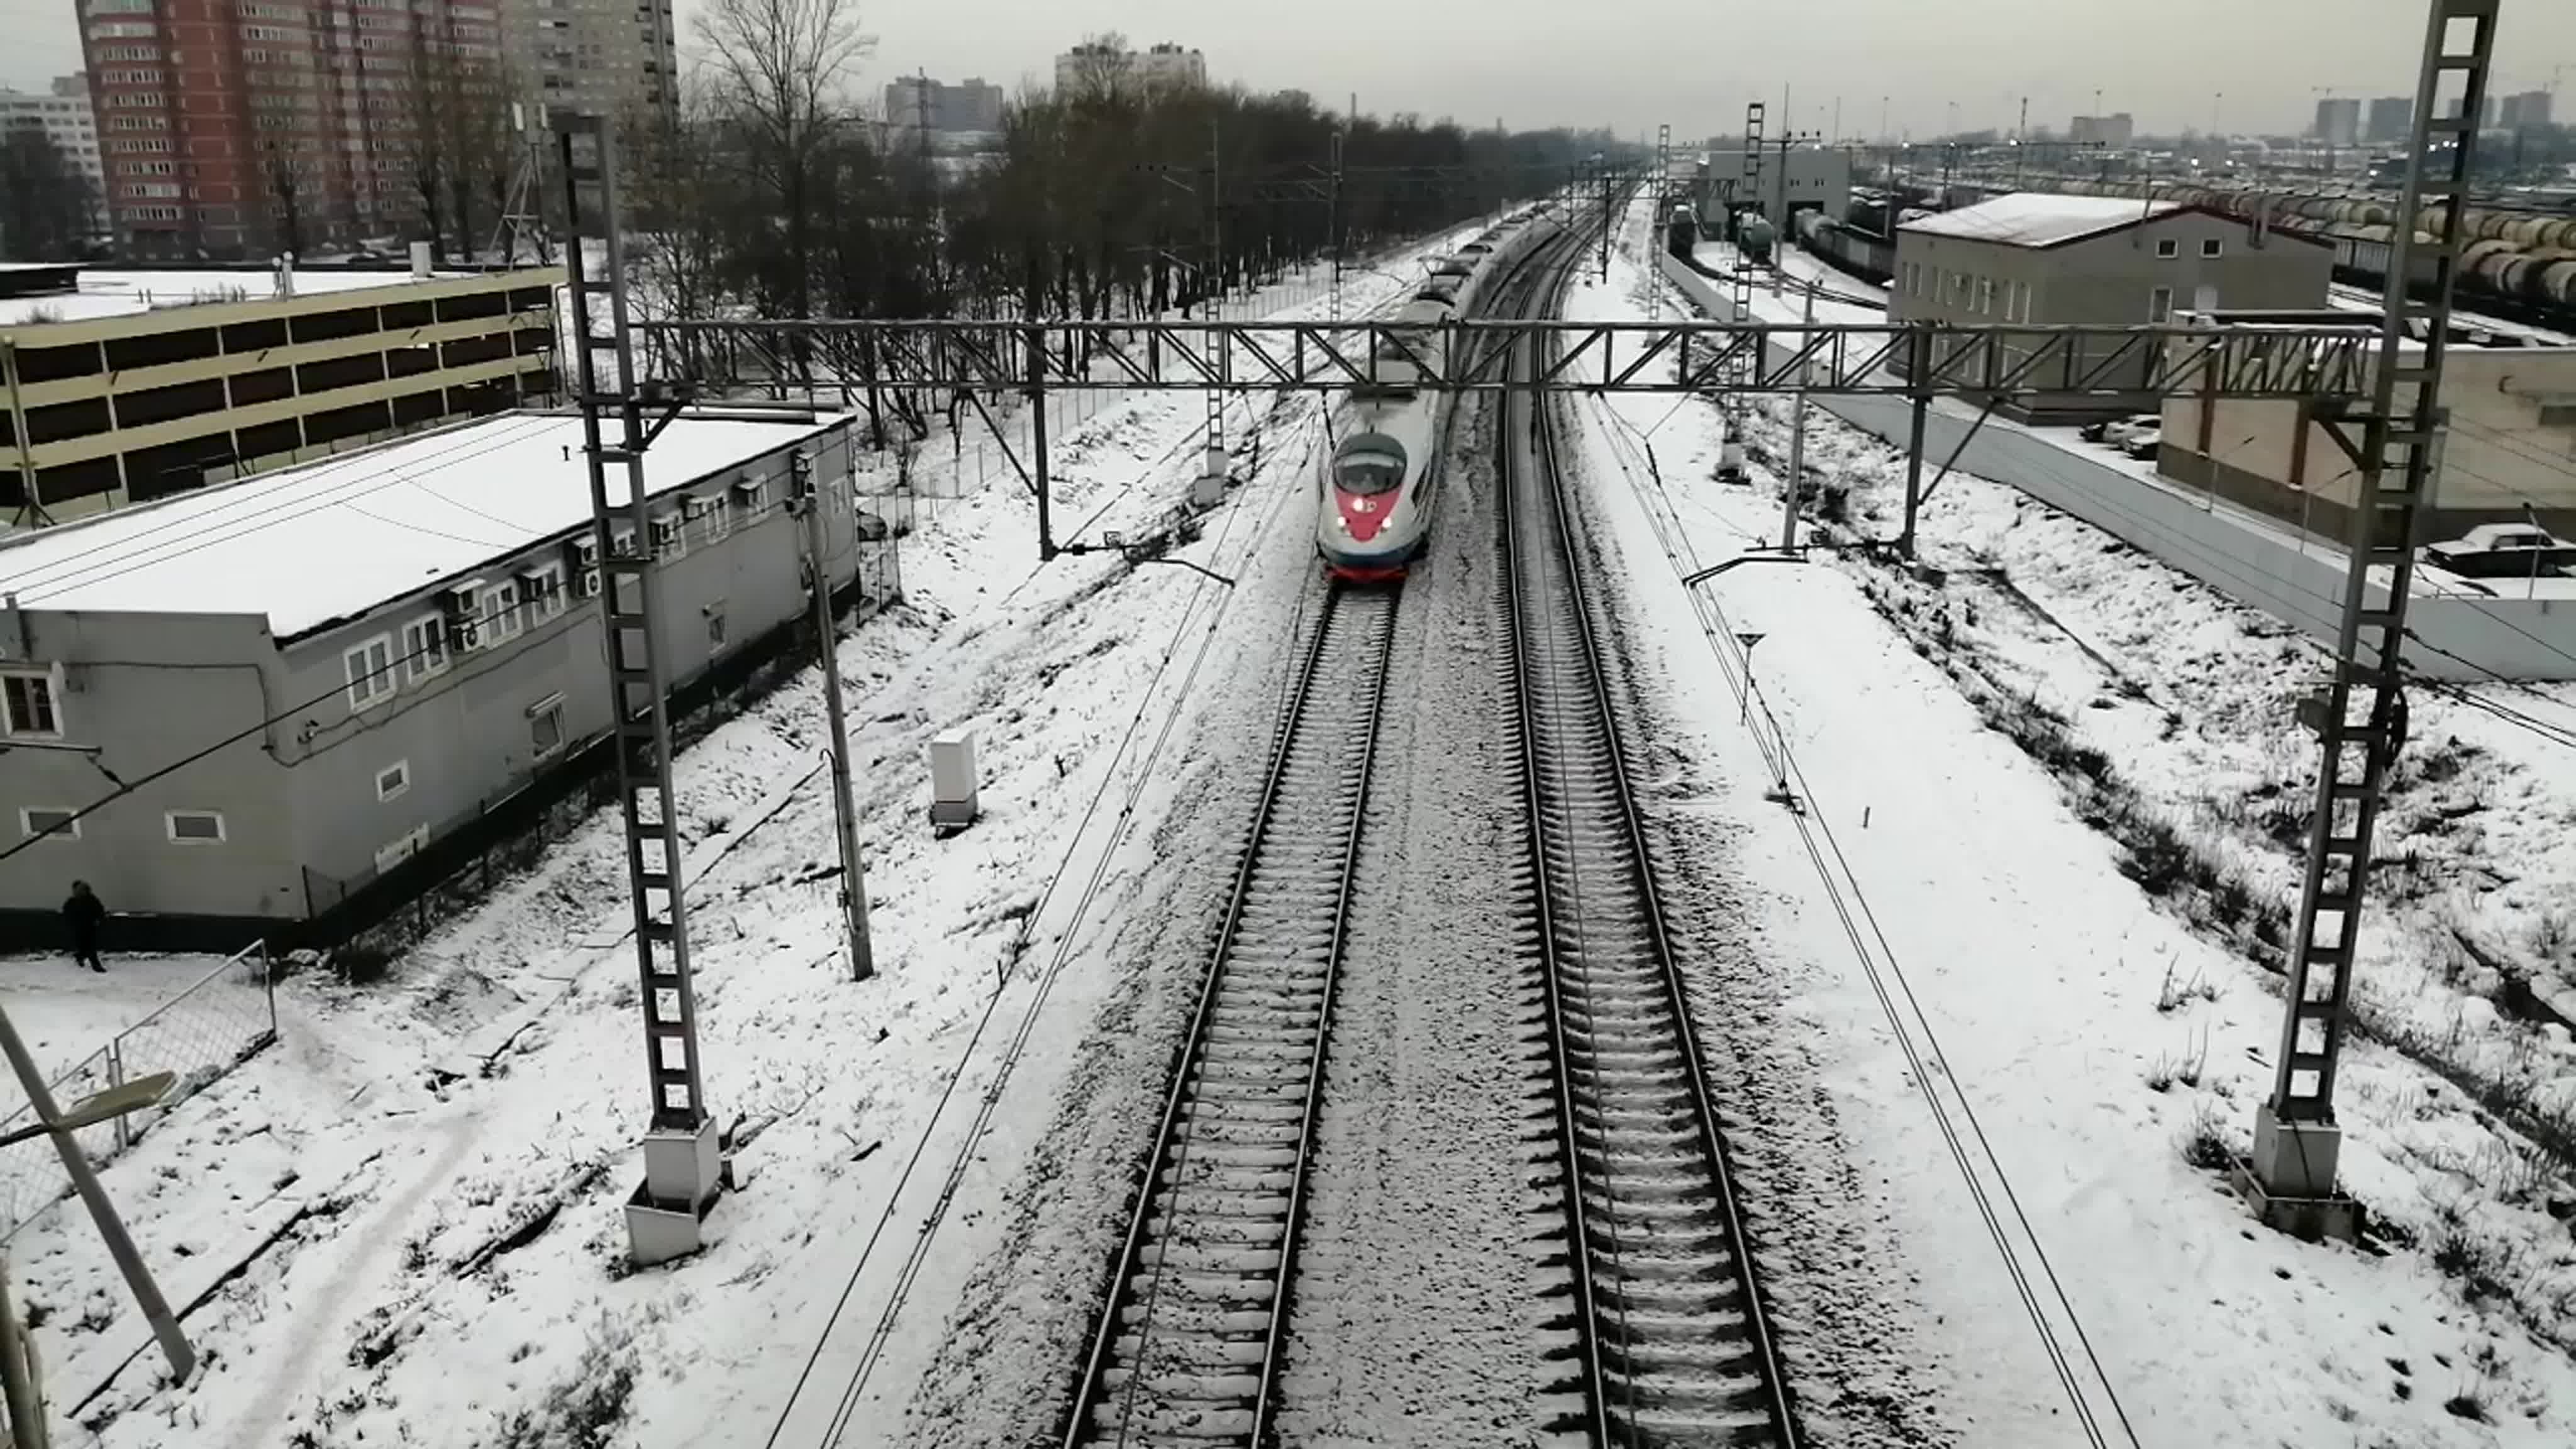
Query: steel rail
{"points": [[1576, 604], [1160, 1220]]}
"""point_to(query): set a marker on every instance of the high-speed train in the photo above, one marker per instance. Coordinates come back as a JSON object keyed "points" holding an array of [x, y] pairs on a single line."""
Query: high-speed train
{"points": [[1378, 483]]}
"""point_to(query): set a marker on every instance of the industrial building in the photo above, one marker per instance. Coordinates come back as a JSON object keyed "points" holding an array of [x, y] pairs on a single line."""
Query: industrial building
{"points": [[1799, 178], [2047, 260], [2505, 458], [117, 392], [399, 644], [2112, 133]]}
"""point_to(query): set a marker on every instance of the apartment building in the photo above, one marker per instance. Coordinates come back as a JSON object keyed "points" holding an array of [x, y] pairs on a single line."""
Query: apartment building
{"points": [[615, 58], [117, 393], [65, 117], [402, 646], [240, 128], [2112, 133], [1092, 66], [2391, 117], [918, 103], [2338, 121]]}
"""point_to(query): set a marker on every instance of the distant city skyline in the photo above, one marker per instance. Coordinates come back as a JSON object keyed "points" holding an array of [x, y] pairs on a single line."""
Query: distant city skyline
{"points": [[1635, 64]]}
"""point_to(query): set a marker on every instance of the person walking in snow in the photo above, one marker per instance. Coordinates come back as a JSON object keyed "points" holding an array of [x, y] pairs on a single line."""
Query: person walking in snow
{"points": [[84, 913]]}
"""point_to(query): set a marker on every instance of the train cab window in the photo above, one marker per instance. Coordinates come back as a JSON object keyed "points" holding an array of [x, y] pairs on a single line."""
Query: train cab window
{"points": [[1370, 475]]}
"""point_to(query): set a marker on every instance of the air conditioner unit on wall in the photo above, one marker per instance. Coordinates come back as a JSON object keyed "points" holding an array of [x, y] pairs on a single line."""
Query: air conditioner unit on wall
{"points": [[581, 563], [463, 606]]}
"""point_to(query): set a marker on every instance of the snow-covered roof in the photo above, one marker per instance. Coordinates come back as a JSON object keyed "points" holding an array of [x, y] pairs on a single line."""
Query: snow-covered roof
{"points": [[311, 546], [2040, 219], [124, 294]]}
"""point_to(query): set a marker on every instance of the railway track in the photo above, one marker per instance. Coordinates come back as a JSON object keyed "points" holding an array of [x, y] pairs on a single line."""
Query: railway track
{"points": [[1186, 1351], [1676, 1348]]}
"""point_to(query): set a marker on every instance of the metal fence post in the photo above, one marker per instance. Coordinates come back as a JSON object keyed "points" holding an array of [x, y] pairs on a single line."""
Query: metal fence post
{"points": [[116, 1079]]}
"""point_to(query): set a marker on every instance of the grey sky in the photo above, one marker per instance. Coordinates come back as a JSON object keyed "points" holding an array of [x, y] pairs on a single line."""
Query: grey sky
{"points": [[1633, 64]]}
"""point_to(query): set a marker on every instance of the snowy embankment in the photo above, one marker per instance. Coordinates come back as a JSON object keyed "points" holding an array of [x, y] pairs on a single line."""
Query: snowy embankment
{"points": [[2015, 924], [402, 1224]]}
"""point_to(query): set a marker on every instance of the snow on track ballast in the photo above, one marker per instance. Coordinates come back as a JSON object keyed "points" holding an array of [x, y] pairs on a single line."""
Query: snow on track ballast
{"points": [[1186, 1348]]}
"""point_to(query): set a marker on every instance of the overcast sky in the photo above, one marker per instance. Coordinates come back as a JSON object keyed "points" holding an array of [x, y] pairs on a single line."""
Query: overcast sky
{"points": [[1633, 64]]}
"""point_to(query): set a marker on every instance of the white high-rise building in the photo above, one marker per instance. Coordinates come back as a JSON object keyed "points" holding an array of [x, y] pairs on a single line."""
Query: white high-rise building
{"points": [[66, 119]]}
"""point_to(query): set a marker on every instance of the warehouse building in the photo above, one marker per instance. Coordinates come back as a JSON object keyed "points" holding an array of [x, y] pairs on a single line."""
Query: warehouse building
{"points": [[1800, 178], [2508, 456], [2095, 261], [141, 384], [385, 655]]}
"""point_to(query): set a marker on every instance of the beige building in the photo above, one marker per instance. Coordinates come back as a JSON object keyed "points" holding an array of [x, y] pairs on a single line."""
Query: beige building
{"points": [[2032, 259], [116, 398], [2511, 447], [614, 58]]}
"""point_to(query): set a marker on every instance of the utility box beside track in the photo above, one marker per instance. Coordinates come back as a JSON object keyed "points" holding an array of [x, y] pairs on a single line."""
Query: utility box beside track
{"points": [[952, 782]]}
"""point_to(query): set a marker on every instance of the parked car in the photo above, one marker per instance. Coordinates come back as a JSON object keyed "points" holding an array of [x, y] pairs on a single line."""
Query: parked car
{"points": [[2502, 550], [2119, 432], [2143, 443], [2100, 432]]}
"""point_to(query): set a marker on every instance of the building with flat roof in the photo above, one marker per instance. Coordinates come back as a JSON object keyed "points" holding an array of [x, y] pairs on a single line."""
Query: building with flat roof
{"points": [[2045, 260], [2338, 121], [1091, 66], [1803, 178], [141, 384], [918, 104], [2113, 132], [65, 118], [2391, 117], [396, 643], [615, 58]]}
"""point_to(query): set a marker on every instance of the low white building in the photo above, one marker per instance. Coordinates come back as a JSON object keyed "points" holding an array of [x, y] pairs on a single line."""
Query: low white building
{"points": [[1800, 178], [333, 687]]}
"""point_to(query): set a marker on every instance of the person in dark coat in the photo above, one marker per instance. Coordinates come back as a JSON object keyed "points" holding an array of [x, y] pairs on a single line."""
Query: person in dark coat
{"points": [[84, 913]]}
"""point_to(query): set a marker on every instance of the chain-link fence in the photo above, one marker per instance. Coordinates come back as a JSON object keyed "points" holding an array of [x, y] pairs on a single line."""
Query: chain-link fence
{"points": [[218, 1023]]}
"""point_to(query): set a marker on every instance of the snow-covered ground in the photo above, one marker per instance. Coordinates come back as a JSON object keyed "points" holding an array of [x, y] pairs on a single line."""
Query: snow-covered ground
{"points": [[402, 1225], [2018, 931]]}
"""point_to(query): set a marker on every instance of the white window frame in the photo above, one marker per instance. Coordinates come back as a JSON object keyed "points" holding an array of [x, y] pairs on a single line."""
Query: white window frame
{"points": [[2213, 247], [719, 512], [2167, 246], [1985, 296], [718, 631], [425, 654], [51, 679], [501, 604], [670, 536], [542, 590], [552, 705], [401, 771], [2160, 306], [378, 680], [170, 826], [754, 493], [29, 830]]}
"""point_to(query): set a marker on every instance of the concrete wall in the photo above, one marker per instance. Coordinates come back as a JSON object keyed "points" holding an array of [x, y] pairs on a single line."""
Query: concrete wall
{"points": [[303, 819], [2463, 639]]}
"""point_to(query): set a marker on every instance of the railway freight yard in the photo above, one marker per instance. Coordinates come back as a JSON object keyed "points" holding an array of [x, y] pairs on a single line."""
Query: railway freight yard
{"points": [[1261, 777]]}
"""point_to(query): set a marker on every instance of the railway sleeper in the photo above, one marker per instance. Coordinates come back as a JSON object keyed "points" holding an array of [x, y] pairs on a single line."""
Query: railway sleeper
{"points": [[1200, 1260], [1252, 1159], [1674, 1425], [1625, 1284], [1720, 1366], [1234, 1230], [1208, 1416]]}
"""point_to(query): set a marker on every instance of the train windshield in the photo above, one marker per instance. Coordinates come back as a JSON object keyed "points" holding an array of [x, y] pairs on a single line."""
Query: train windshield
{"points": [[1368, 465]]}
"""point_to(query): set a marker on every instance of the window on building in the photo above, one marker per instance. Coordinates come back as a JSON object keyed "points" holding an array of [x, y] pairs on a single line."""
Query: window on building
{"points": [[48, 822], [370, 667], [501, 619], [543, 588], [546, 725], [2558, 415], [719, 511], [2160, 305], [195, 827], [424, 644], [2168, 247], [28, 704], [2212, 247], [1985, 296], [715, 613], [394, 780], [670, 537]]}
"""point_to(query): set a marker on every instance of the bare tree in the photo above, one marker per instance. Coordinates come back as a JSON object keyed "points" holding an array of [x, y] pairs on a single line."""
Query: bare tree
{"points": [[779, 66]]}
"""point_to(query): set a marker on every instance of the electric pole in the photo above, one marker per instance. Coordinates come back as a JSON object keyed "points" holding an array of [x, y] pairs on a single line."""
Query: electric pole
{"points": [[845, 814], [51, 1122], [2292, 1173]]}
